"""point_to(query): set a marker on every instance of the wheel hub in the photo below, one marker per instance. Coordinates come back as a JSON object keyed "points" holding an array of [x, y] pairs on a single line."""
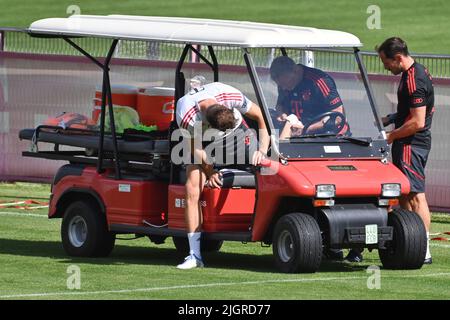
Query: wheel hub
{"points": [[285, 246], [77, 231]]}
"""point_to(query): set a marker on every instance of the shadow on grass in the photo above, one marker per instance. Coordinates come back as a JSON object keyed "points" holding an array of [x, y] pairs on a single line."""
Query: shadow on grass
{"points": [[159, 256]]}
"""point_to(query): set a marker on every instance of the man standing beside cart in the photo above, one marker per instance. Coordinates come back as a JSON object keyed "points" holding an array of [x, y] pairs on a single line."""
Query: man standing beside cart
{"points": [[221, 107], [411, 138]]}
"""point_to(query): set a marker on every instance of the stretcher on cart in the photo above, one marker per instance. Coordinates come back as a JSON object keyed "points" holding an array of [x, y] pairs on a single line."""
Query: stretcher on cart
{"points": [[132, 146], [135, 149], [137, 143]]}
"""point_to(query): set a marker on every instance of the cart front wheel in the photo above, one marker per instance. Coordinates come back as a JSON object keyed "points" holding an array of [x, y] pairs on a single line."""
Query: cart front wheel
{"points": [[409, 244], [297, 244]]}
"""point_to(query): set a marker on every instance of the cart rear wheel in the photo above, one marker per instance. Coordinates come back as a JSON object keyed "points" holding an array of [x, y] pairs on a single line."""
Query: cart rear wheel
{"points": [[182, 244], [409, 244], [297, 244], [84, 231]]}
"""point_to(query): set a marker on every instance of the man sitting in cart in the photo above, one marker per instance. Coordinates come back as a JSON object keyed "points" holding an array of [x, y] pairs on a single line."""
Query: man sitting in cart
{"points": [[304, 95], [221, 107]]}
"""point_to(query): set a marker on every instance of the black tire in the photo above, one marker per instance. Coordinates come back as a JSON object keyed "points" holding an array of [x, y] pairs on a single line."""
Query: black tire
{"points": [[408, 247], [297, 244], [157, 239], [182, 245], [84, 231]]}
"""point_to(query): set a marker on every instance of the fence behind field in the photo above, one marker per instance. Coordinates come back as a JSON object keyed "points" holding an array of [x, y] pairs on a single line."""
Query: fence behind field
{"points": [[438, 65], [43, 77]]}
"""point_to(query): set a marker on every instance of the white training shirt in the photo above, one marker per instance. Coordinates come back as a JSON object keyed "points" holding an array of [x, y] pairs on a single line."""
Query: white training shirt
{"points": [[188, 111]]}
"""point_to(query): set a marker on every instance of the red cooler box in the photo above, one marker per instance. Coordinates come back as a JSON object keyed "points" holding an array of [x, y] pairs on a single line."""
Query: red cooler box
{"points": [[122, 95], [155, 106]]}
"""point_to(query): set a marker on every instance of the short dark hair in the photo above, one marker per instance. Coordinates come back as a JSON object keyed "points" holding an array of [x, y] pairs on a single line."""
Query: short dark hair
{"points": [[392, 46], [281, 65], [220, 117]]}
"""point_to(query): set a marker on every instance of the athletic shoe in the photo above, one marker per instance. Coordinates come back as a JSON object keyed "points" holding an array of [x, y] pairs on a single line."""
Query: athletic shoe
{"points": [[190, 262], [354, 256], [428, 261], [334, 254]]}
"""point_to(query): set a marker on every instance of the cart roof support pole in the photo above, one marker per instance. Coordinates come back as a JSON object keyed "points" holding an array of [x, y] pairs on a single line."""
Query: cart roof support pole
{"points": [[370, 96], [202, 57], [262, 103], [215, 64], [179, 84], [179, 92], [106, 94], [107, 86], [258, 90], [179, 87]]}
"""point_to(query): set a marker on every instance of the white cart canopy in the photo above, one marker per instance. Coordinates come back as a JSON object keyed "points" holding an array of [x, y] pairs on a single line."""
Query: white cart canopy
{"points": [[193, 31]]}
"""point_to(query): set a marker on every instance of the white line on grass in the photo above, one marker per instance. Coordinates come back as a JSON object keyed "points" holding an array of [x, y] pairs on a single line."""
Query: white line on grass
{"points": [[23, 214], [440, 245], [206, 285]]}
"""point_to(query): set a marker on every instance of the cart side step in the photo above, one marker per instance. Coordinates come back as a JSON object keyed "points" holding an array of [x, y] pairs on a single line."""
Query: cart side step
{"points": [[147, 230]]}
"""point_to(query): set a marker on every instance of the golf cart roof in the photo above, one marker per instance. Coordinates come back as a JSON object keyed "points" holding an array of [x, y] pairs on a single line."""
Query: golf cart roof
{"points": [[193, 31]]}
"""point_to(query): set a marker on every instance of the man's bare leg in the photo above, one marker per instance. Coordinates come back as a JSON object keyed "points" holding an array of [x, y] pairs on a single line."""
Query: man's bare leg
{"points": [[193, 215], [419, 204], [194, 186], [405, 203]]}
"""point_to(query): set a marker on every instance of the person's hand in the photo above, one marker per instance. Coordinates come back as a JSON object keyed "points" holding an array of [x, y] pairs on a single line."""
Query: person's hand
{"points": [[390, 118], [389, 137], [298, 125], [282, 117], [215, 180], [258, 156], [297, 129]]}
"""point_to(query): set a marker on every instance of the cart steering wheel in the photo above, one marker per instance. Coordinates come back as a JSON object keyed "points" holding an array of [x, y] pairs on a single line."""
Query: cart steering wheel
{"points": [[330, 126]]}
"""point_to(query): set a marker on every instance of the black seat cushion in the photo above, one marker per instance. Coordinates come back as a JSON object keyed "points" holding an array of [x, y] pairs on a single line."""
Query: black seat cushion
{"points": [[231, 178], [237, 178]]}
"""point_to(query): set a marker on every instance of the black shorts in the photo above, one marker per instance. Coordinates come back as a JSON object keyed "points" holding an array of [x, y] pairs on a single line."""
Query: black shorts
{"points": [[411, 160], [236, 150]]}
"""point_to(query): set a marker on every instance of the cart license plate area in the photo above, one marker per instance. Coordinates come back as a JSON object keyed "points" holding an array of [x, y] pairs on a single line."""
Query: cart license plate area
{"points": [[371, 234]]}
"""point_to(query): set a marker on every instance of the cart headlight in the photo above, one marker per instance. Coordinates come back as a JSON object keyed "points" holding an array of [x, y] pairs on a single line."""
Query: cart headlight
{"points": [[390, 190], [324, 191]]}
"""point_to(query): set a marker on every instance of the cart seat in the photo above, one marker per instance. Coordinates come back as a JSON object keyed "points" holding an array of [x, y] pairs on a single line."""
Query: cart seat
{"points": [[231, 178]]}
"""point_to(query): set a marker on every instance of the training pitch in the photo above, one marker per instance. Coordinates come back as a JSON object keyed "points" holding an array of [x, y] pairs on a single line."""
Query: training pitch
{"points": [[34, 266]]}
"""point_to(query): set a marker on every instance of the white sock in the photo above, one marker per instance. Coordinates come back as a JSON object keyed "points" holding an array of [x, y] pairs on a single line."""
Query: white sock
{"points": [[428, 255], [194, 243]]}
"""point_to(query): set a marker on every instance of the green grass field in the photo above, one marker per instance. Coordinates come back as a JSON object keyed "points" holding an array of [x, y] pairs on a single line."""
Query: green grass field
{"points": [[421, 23], [34, 266]]}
